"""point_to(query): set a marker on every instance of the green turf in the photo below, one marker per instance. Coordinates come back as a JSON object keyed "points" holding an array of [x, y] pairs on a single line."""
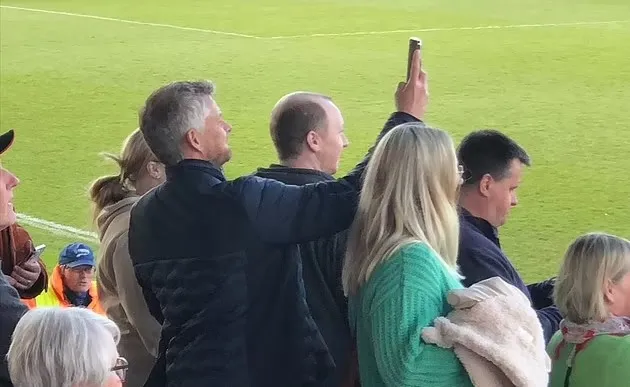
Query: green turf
{"points": [[72, 86]]}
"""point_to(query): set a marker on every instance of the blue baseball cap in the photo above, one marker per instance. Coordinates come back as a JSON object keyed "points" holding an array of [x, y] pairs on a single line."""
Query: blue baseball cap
{"points": [[77, 254]]}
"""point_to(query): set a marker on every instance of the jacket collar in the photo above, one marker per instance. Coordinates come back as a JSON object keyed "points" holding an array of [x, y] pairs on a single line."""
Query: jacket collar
{"points": [[301, 175], [57, 287], [112, 211], [188, 166], [484, 227]]}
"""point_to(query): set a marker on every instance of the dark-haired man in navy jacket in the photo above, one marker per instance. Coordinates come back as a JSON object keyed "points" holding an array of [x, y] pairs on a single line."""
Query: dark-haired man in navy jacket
{"points": [[493, 168]]}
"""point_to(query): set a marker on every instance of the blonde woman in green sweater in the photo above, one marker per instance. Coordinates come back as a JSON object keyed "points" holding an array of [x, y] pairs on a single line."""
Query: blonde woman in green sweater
{"points": [[592, 291], [401, 260]]}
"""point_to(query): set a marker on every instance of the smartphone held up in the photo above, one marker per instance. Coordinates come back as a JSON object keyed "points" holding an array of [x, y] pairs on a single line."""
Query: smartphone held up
{"points": [[39, 250], [414, 44]]}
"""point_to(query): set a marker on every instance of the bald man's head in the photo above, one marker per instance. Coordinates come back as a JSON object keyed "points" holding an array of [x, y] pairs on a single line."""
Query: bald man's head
{"points": [[308, 122], [293, 117]]}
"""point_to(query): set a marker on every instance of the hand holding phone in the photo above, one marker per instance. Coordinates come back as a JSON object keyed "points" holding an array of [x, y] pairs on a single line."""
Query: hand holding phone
{"points": [[414, 44], [39, 250], [412, 96]]}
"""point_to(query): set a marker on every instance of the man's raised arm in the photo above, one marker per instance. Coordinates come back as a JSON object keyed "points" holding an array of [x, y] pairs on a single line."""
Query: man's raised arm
{"points": [[290, 214]]}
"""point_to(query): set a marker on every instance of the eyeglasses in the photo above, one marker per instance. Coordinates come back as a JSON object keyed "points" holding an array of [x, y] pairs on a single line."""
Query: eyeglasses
{"points": [[82, 269], [460, 171], [121, 367]]}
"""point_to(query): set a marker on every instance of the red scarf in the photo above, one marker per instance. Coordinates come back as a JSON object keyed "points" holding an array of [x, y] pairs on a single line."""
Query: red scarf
{"points": [[582, 334]]}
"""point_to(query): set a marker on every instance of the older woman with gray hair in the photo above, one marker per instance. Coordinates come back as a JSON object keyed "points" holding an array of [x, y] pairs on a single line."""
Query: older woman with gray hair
{"points": [[592, 292], [65, 347]]}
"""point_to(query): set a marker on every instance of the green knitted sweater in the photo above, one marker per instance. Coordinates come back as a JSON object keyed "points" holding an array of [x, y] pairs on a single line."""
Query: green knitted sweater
{"points": [[403, 295]]}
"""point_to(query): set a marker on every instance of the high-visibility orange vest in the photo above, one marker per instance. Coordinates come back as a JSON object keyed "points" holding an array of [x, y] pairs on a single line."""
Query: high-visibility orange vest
{"points": [[54, 295]]}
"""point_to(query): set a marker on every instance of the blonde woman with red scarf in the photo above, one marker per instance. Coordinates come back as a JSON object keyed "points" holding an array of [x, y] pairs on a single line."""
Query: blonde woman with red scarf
{"points": [[592, 291]]}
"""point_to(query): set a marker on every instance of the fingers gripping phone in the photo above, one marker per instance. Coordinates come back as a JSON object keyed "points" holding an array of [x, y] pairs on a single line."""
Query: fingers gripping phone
{"points": [[39, 250], [414, 44]]}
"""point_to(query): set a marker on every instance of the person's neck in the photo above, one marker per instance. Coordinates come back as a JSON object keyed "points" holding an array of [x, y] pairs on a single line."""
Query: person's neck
{"points": [[303, 162], [470, 203], [144, 185], [77, 298], [194, 155]]}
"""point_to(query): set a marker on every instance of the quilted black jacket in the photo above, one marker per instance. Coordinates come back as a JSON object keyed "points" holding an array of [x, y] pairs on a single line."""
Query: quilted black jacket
{"points": [[232, 313], [322, 262]]}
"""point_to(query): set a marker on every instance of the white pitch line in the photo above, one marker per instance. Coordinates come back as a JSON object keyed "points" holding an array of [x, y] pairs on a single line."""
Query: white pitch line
{"points": [[131, 22], [58, 229], [359, 33], [335, 34]]}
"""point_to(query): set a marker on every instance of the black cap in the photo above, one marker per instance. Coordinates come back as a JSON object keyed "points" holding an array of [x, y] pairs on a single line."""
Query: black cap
{"points": [[6, 140]]}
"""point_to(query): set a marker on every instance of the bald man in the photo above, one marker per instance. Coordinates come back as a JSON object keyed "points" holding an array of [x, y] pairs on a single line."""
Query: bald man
{"points": [[307, 130]]}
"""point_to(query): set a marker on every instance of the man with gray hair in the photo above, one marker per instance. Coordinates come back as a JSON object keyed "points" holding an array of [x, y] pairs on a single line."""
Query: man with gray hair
{"points": [[307, 130], [233, 314]]}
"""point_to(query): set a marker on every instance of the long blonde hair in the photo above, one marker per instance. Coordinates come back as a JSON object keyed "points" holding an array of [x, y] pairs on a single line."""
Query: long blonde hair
{"points": [[590, 262], [409, 195]]}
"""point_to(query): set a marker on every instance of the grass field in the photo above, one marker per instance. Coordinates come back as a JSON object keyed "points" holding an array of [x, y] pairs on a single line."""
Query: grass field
{"points": [[555, 75]]}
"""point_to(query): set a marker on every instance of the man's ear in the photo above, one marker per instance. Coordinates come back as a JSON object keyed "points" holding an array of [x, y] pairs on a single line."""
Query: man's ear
{"points": [[485, 185], [313, 141], [191, 138]]}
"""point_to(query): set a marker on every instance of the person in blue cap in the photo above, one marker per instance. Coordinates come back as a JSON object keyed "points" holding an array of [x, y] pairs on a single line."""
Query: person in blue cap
{"points": [[72, 281]]}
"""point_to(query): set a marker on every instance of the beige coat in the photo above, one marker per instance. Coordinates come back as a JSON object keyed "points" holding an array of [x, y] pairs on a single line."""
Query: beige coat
{"points": [[121, 295], [496, 335]]}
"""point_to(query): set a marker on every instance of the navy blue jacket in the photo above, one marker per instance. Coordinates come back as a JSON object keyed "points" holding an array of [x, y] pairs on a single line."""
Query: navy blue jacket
{"points": [[481, 257], [322, 262], [233, 312]]}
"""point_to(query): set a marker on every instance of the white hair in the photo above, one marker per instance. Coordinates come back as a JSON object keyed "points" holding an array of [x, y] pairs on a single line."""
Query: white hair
{"points": [[409, 195], [62, 347]]}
